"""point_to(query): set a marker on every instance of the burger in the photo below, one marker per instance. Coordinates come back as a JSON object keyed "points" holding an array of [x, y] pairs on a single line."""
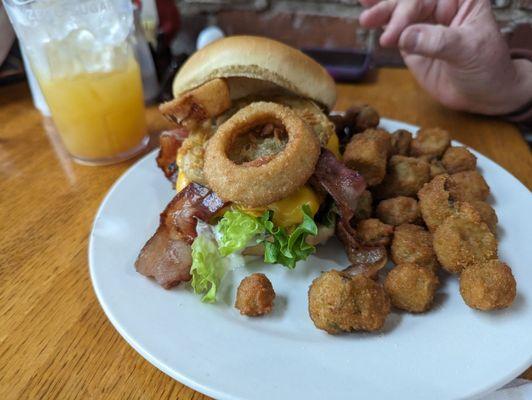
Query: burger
{"points": [[255, 161]]}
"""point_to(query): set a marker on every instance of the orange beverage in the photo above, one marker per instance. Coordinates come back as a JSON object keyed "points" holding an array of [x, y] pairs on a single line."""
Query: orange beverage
{"points": [[99, 115]]}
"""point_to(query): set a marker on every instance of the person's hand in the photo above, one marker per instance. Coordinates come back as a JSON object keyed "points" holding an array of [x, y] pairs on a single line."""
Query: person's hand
{"points": [[455, 51]]}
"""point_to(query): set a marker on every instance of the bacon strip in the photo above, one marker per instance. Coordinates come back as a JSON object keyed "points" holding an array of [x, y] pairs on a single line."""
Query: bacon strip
{"points": [[167, 256], [165, 259], [345, 186], [170, 142], [342, 183]]}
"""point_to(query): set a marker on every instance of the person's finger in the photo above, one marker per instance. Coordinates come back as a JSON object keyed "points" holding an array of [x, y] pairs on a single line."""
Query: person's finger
{"points": [[406, 13], [433, 41], [368, 3], [377, 15], [446, 11]]}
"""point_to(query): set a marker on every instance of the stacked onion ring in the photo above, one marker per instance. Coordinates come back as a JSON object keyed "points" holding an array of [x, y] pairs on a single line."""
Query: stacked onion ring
{"points": [[261, 183]]}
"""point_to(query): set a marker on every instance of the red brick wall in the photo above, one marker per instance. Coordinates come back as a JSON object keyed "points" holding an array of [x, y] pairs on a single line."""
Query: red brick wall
{"points": [[326, 23]]}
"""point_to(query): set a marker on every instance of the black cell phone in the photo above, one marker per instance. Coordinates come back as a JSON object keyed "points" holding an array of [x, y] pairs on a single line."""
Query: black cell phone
{"points": [[343, 65]]}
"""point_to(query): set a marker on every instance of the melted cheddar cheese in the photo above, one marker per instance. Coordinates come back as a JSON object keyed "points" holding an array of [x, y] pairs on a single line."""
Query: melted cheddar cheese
{"points": [[333, 144]]}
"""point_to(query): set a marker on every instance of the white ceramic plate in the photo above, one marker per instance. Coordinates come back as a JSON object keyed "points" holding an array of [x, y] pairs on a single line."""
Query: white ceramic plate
{"points": [[450, 352]]}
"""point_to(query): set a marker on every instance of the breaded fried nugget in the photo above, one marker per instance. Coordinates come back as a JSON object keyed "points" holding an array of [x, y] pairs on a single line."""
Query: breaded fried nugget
{"points": [[255, 295], [435, 202], [436, 168], [373, 232], [463, 239], [468, 186], [399, 210], [430, 142], [488, 286], [411, 287], [487, 213], [364, 206], [338, 303], [367, 153], [401, 140], [458, 159], [404, 177], [412, 244]]}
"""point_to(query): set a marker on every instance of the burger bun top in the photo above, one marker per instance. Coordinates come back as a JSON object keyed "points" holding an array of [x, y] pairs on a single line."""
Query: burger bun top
{"points": [[253, 64]]}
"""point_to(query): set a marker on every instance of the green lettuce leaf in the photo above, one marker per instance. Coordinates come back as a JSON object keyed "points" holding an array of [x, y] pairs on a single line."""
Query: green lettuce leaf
{"points": [[236, 229], [208, 267], [288, 248]]}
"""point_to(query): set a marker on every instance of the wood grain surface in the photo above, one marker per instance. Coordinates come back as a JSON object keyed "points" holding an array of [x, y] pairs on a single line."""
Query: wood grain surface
{"points": [[55, 341]]}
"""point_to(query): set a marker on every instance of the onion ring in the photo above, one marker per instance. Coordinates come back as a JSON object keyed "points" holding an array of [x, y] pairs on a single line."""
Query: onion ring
{"points": [[259, 185]]}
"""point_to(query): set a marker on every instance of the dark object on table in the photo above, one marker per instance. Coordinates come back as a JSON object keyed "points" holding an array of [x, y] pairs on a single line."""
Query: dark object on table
{"points": [[343, 65]]}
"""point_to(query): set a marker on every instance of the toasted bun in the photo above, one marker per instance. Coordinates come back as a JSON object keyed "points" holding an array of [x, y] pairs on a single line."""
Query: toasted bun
{"points": [[258, 59]]}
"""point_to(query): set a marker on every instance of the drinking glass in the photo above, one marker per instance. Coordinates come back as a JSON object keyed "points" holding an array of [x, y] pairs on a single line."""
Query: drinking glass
{"points": [[81, 52]]}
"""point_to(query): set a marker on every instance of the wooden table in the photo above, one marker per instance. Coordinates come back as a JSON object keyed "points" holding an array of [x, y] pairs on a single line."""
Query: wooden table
{"points": [[55, 341]]}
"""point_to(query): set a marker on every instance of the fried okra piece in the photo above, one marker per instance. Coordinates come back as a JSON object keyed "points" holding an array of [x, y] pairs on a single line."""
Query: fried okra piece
{"points": [[430, 142], [373, 232], [458, 159], [399, 210], [411, 287], [255, 295], [435, 202], [487, 213], [468, 186], [436, 168], [488, 286], [404, 177], [364, 117], [412, 244], [338, 303], [364, 206], [401, 140], [367, 153], [463, 239]]}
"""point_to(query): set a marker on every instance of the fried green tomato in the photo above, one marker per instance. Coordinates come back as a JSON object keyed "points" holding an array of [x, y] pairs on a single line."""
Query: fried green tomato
{"points": [[430, 142], [411, 287], [463, 239], [399, 210], [373, 232], [401, 140], [367, 153], [338, 303], [255, 295], [404, 177], [412, 244], [468, 186], [458, 159], [488, 286]]}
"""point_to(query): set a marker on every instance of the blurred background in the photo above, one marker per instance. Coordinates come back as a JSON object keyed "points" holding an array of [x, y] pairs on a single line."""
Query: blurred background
{"points": [[327, 24], [168, 31]]}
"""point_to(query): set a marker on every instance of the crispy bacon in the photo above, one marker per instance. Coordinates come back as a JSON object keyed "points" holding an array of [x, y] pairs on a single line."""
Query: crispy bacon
{"points": [[193, 202], [342, 183], [345, 186], [170, 142], [165, 259], [167, 256]]}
